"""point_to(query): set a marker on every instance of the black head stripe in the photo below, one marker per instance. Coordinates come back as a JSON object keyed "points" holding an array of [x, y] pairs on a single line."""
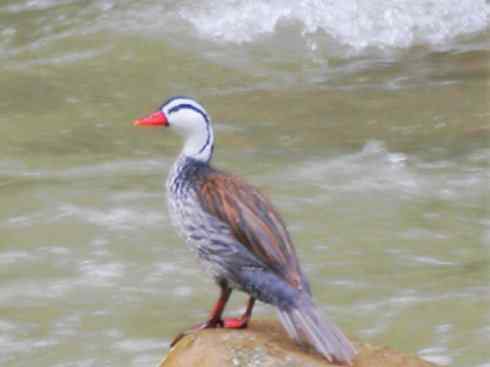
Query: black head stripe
{"points": [[171, 99], [199, 111], [189, 107]]}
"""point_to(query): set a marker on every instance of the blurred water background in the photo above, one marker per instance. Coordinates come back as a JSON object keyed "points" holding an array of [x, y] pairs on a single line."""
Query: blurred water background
{"points": [[366, 121]]}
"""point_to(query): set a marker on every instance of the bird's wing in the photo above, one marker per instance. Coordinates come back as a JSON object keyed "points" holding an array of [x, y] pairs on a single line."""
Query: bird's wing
{"points": [[254, 223]]}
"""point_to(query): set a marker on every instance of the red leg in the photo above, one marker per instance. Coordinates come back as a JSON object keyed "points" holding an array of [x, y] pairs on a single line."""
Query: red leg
{"points": [[240, 322], [214, 319], [219, 307]]}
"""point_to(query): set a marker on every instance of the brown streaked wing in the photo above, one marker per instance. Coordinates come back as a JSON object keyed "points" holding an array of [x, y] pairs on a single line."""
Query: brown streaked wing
{"points": [[253, 221]]}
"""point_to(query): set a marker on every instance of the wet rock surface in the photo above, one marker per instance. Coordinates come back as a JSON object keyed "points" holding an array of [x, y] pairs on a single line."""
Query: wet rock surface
{"points": [[266, 344]]}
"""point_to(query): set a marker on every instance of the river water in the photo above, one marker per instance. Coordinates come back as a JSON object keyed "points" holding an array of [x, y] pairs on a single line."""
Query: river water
{"points": [[366, 122]]}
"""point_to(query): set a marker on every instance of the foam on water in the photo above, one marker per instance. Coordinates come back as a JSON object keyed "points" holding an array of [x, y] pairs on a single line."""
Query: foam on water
{"points": [[13, 345], [140, 345], [12, 257], [101, 275], [375, 169], [115, 219], [319, 24], [436, 355], [31, 5], [276, 42], [358, 24], [16, 169]]}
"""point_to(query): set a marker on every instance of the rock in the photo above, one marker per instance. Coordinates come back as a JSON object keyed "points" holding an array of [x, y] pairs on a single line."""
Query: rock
{"points": [[266, 344]]}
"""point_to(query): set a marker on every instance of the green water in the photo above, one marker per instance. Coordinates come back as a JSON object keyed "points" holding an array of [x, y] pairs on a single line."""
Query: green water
{"points": [[378, 160]]}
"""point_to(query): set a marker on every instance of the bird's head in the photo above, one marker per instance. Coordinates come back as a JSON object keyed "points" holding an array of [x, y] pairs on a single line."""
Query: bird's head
{"points": [[190, 120]]}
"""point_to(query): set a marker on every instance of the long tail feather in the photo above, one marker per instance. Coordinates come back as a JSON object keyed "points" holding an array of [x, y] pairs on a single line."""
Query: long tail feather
{"points": [[305, 326]]}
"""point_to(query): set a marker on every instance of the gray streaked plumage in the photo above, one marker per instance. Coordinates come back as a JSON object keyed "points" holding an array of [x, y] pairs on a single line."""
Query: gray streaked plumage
{"points": [[238, 236]]}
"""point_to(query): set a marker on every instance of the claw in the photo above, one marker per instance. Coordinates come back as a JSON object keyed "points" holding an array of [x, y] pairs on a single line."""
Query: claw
{"points": [[210, 324], [215, 319]]}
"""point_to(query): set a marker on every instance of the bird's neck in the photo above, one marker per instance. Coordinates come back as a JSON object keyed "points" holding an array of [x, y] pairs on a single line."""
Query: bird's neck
{"points": [[184, 173], [199, 146]]}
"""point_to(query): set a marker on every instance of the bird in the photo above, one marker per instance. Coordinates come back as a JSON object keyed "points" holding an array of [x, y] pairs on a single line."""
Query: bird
{"points": [[238, 237]]}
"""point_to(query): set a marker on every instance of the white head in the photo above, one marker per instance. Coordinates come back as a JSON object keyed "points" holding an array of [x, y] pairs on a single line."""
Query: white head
{"points": [[190, 120]]}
